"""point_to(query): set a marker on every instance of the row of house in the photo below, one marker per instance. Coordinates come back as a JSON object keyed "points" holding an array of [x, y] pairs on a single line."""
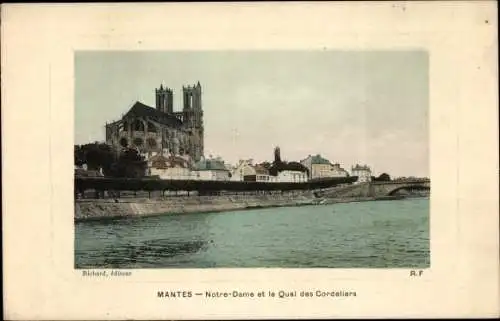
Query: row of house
{"points": [[245, 170], [180, 167], [320, 167]]}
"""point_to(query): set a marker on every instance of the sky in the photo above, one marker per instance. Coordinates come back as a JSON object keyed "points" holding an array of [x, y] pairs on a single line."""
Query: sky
{"points": [[366, 107]]}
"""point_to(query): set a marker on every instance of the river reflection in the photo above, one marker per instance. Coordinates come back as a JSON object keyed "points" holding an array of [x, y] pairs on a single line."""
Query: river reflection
{"points": [[139, 242]]}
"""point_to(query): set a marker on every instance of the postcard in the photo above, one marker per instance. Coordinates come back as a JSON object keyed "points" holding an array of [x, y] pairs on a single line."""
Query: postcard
{"points": [[250, 160]]}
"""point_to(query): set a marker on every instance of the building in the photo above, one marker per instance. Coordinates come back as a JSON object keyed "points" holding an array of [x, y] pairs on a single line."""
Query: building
{"points": [[258, 173], [171, 167], [262, 174], [229, 167], [277, 172], [320, 167], [245, 171], [290, 176], [242, 169], [211, 170], [363, 172], [287, 172], [162, 130], [338, 171]]}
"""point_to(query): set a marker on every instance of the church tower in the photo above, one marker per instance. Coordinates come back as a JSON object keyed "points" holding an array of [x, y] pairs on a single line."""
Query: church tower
{"points": [[277, 155], [164, 99], [193, 119]]}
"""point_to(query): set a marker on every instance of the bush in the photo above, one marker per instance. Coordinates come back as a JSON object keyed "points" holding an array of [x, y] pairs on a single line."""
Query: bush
{"points": [[95, 155], [129, 164], [384, 177], [147, 184]]}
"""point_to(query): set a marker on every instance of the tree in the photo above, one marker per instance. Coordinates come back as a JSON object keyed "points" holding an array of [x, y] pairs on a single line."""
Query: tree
{"points": [[384, 177], [277, 167], [79, 156], [95, 155], [129, 164], [266, 165], [100, 156]]}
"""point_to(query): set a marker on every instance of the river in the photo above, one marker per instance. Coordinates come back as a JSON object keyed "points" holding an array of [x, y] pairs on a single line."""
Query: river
{"points": [[377, 234]]}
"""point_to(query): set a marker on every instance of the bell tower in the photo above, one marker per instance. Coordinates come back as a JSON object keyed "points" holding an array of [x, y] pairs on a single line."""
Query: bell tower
{"points": [[193, 118], [164, 99]]}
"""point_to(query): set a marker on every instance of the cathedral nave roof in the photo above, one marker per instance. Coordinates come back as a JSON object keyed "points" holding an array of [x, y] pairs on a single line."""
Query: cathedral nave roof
{"points": [[141, 110]]}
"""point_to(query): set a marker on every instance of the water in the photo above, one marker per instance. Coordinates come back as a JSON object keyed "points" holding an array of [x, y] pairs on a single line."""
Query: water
{"points": [[380, 234]]}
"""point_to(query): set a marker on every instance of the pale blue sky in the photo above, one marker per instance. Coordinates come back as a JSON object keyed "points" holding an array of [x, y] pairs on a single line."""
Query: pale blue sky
{"points": [[367, 107]]}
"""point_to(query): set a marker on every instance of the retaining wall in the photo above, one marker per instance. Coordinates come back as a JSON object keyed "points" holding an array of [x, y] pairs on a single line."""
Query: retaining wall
{"points": [[108, 208]]}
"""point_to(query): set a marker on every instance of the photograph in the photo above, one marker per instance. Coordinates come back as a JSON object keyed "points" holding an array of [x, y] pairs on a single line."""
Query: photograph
{"points": [[251, 159]]}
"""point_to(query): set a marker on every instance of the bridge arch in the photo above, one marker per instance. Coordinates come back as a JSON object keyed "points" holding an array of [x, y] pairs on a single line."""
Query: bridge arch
{"points": [[408, 187]]}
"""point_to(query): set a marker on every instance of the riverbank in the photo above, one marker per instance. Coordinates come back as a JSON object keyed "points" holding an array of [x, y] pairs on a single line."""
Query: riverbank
{"points": [[92, 209], [86, 209], [95, 209]]}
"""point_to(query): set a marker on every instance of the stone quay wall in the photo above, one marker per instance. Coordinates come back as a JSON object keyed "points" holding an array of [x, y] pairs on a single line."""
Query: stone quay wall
{"points": [[86, 209]]}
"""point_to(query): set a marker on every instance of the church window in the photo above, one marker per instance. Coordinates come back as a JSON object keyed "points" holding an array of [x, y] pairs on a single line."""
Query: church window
{"points": [[152, 142]]}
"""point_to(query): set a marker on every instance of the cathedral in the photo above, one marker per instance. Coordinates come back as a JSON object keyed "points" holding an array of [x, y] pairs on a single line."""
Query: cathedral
{"points": [[161, 130]]}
